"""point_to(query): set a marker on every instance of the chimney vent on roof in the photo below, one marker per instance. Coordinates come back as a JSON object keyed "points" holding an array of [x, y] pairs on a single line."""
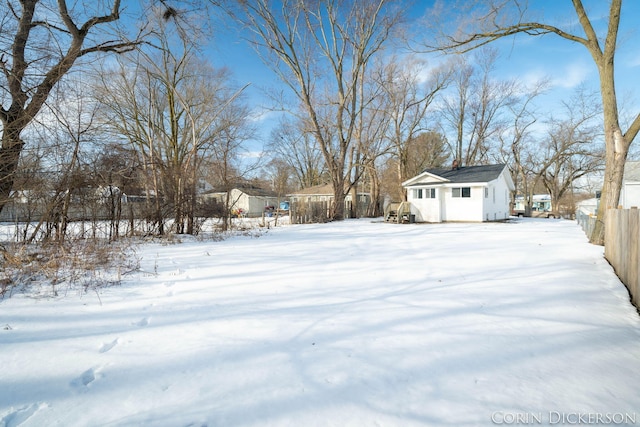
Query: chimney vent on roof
{"points": [[455, 164]]}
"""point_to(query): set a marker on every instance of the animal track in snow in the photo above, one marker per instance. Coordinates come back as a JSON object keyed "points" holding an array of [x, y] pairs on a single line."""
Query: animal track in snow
{"points": [[108, 346]]}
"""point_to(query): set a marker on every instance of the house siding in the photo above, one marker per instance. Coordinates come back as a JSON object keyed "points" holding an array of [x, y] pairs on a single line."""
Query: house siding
{"points": [[463, 208], [630, 195], [426, 210], [496, 205], [253, 206]]}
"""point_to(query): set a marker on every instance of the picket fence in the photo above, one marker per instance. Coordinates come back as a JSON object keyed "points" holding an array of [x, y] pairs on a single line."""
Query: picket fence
{"points": [[622, 247]]}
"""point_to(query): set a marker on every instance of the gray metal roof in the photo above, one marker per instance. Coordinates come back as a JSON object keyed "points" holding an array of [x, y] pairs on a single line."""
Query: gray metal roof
{"points": [[484, 173]]}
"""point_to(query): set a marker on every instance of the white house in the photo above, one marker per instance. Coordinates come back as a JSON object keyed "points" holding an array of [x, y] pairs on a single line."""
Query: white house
{"points": [[630, 191], [471, 193]]}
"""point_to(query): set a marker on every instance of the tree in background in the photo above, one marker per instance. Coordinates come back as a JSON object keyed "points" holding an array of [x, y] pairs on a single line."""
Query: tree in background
{"points": [[553, 160], [516, 141], [293, 144], [228, 159], [425, 150], [573, 147], [406, 103], [41, 42], [321, 51], [174, 109], [475, 109]]}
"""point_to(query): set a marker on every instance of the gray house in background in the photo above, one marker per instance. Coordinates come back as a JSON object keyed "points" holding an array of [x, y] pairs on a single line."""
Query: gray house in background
{"points": [[244, 199]]}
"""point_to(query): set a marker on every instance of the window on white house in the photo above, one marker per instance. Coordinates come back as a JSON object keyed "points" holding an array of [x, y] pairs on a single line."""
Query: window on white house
{"points": [[486, 192], [461, 192], [430, 193], [417, 193]]}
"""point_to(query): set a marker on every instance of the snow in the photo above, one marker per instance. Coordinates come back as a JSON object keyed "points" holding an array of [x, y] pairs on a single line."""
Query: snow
{"points": [[354, 323]]}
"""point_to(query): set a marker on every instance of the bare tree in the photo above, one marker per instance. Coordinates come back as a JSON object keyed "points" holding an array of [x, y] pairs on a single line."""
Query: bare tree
{"points": [[516, 140], [170, 106], [40, 44], [293, 144], [228, 158], [475, 109], [573, 147], [129, 109], [321, 51], [73, 114], [406, 103], [425, 150], [570, 149], [498, 19]]}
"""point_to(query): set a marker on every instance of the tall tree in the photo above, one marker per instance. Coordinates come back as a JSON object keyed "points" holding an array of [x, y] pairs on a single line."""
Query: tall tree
{"points": [[170, 106], [499, 19], [573, 146], [321, 51], [406, 103], [41, 42], [477, 106], [517, 138]]}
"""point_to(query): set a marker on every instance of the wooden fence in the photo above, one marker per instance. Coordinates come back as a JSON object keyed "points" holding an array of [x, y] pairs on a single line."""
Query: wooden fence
{"points": [[622, 247], [308, 212]]}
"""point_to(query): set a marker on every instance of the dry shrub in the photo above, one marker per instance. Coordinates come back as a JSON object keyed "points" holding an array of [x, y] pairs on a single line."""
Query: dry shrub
{"points": [[48, 269]]}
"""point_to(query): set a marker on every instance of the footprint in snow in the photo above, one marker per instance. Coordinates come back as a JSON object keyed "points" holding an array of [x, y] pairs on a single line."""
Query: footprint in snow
{"points": [[16, 417], [108, 346], [86, 378], [142, 322]]}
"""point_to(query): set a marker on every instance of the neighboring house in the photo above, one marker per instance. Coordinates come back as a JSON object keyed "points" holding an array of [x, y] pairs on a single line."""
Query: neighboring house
{"points": [[630, 191], [324, 194], [245, 200], [588, 206], [471, 193], [541, 207], [539, 202]]}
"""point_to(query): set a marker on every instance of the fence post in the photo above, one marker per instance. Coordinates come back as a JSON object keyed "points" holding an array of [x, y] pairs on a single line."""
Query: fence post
{"points": [[609, 224], [634, 255]]}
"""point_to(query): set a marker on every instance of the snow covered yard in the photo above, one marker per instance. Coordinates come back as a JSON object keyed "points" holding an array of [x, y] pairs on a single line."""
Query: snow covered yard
{"points": [[353, 323]]}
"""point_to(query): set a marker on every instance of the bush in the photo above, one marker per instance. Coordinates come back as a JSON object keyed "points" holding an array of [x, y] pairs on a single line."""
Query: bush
{"points": [[48, 269]]}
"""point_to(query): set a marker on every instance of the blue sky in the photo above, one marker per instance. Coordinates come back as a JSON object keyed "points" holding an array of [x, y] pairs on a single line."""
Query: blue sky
{"points": [[525, 58]]}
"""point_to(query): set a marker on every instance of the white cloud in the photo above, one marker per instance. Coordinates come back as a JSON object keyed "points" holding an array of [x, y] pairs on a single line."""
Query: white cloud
{"points": [[571, 75], [633, 62]]}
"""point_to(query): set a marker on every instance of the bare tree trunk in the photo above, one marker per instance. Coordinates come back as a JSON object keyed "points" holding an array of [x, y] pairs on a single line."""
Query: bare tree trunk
{"points": [[10, 151], [616, 154], [336, 211]]}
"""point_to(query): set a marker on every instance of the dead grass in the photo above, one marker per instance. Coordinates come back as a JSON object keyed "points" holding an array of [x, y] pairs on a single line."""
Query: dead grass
{"points": [[51, 269]]}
